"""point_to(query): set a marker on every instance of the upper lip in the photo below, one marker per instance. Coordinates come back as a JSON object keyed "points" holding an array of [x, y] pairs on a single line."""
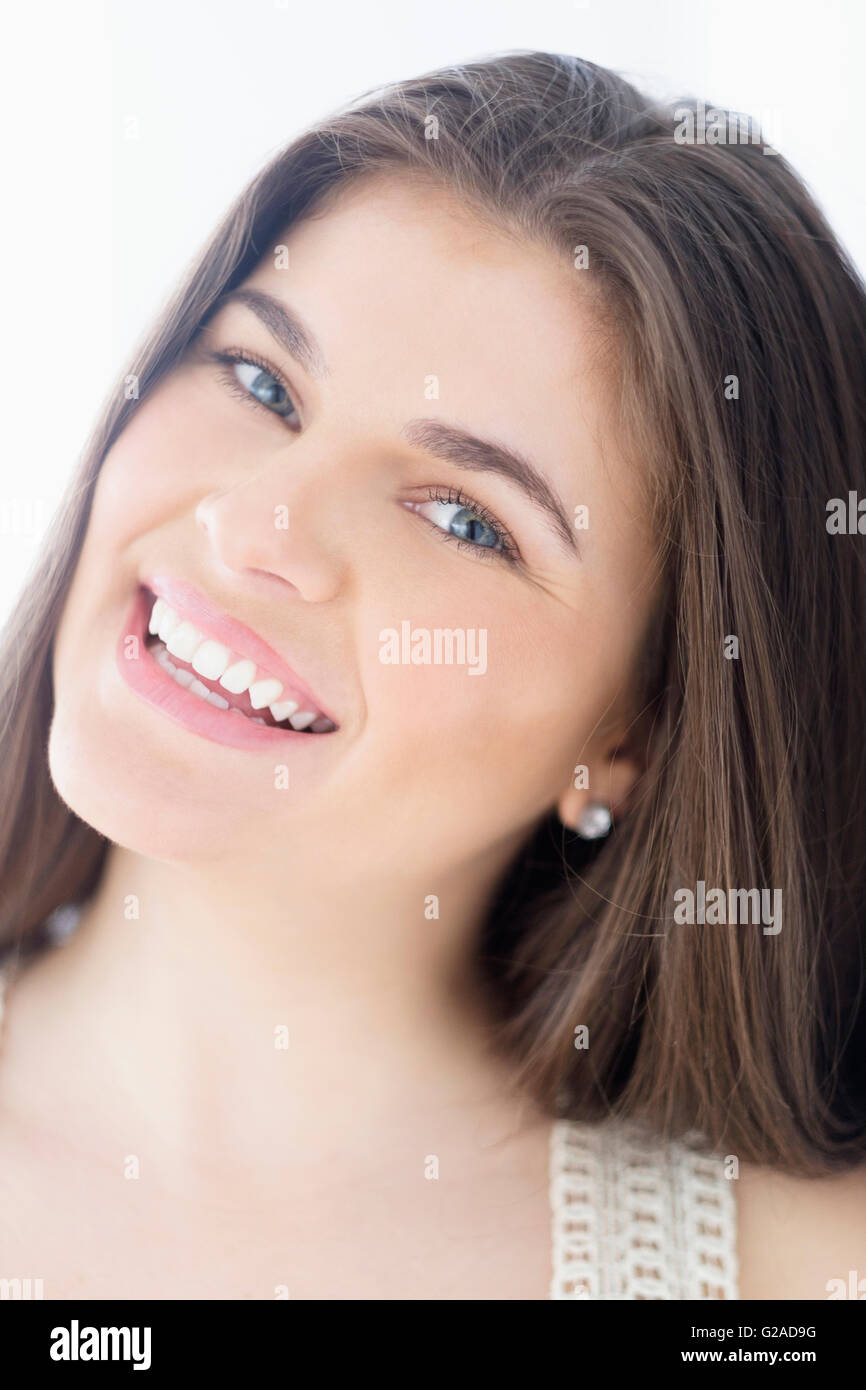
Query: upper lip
{"points": [[214, 622]]}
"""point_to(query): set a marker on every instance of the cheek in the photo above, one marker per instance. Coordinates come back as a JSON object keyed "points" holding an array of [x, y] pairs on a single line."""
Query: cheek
{"points": [[497, 732], [152, 793], [150, 473], [130, 497]]}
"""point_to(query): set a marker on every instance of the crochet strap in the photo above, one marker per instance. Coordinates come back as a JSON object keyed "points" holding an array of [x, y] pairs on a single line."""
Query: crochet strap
{"points": [[634, 1218]]}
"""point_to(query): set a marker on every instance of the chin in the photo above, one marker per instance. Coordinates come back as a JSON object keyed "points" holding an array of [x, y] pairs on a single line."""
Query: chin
{"points": [[113, 782]]}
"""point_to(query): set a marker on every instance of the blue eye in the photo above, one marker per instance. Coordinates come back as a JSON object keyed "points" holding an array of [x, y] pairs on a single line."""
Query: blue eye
{"points": [[464, 524], [264, 387], [255, 383], [459, 519]]}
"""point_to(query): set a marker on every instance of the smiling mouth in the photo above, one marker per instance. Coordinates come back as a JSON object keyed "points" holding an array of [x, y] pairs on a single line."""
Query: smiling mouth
{"points": [[224, 678]]}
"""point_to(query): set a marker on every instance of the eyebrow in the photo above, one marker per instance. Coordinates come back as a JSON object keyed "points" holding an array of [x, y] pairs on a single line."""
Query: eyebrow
{"points": [[283, 324], [466, 450], [446, 441]]}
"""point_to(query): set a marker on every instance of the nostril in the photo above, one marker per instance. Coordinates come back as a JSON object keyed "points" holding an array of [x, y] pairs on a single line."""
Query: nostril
{"points": [[271, 578]]}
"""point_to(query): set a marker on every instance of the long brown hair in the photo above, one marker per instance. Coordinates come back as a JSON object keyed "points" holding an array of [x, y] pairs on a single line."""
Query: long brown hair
{"points": [[740, 328]]}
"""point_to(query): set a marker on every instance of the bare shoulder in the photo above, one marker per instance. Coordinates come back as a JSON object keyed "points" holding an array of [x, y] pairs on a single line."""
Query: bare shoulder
{"points": [[801, 1238]]}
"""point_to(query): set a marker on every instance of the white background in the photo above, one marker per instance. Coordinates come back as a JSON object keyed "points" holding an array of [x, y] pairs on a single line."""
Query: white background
{"points": [[98, 226]]}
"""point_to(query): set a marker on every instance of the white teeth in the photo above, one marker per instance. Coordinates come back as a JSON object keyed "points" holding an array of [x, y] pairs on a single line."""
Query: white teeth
{"points": [[302, 719], [265, 692], [156, 613], [298, 718], [211, 659], [183, 641], [214, 661], [167, 624], [209, 696], [283, 708], [238, 677]]}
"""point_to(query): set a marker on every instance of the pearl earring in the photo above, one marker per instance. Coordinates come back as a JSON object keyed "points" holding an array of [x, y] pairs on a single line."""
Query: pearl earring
{"points": [[594, 821]]}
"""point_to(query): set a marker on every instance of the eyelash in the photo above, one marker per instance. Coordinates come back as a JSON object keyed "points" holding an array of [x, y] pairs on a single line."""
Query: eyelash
{"points": [[229, 358], [454, 496]]}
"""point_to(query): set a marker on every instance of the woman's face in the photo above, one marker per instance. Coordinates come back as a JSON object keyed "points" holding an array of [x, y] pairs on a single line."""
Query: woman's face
{"points": [[343, 501]]}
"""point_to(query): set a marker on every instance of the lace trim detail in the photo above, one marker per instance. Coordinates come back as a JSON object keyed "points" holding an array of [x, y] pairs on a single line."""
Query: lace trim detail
{"points": [[635, 1219]]}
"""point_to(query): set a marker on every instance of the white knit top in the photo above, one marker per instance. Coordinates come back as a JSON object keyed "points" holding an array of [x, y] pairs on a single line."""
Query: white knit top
{"points": [[634, 1218], [631, 1218]]}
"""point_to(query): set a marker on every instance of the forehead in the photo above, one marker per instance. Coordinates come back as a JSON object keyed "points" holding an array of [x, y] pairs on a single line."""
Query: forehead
{"points": [[432, 281], [423, 307]]}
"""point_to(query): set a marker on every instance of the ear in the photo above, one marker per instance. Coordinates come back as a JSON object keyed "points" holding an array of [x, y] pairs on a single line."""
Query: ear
{"points": [[609, 778]]}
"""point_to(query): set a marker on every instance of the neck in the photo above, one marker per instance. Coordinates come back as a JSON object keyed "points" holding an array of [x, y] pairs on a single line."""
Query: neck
{"points": [[219, 1011]]}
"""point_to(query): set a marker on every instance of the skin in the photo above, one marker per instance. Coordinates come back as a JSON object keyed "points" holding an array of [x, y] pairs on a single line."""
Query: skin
{"points": [[153, 1036]]}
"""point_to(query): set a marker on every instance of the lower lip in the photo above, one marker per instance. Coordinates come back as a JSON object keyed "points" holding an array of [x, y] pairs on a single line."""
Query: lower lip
{"points": [[146, 678]]}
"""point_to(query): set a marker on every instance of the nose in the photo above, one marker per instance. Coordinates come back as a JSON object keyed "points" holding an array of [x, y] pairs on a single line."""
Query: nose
{"points": [[280, 523]]}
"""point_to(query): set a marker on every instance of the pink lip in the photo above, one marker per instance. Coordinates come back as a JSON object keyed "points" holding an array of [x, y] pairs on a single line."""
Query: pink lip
{"points": [[148, 680], [240, 638]]}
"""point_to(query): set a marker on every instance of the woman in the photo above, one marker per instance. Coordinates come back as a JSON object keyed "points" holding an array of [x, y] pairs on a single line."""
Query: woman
{"points": [[395, 878]]}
